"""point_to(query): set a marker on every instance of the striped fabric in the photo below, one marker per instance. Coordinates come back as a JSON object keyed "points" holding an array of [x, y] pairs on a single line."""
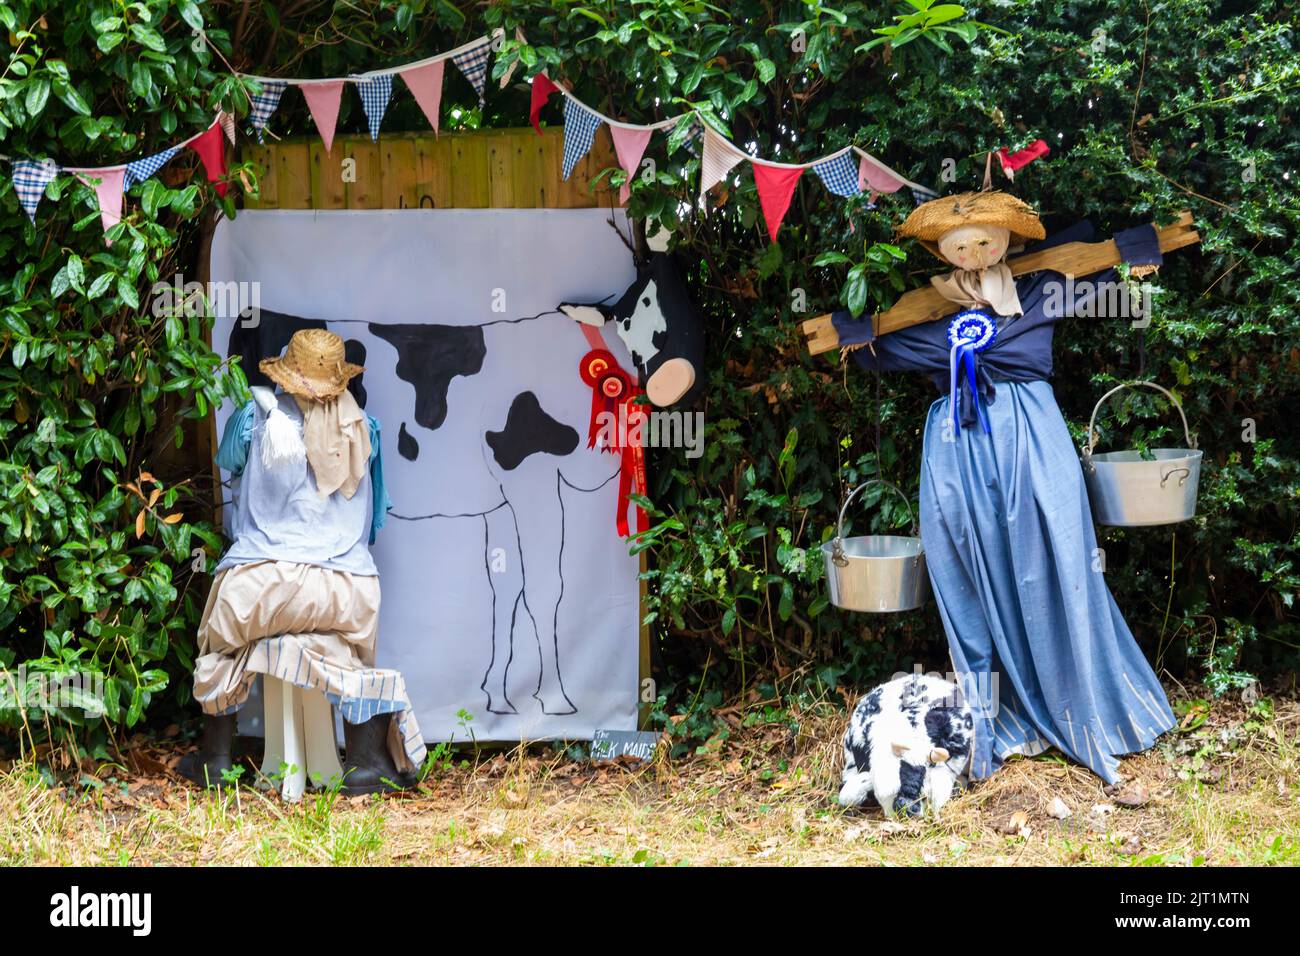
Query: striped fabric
{"points": [[142, 169], [719, 158], [375, 93], [264, 105], [359, 694], [30, 180], [580, 126], [473, 63], [839, 174]]}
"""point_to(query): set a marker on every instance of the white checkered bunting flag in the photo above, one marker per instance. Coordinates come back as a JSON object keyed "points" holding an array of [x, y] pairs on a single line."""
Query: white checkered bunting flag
{"points": [[840, 174], [580, 127], [264, 105], [142, 169], [30, 180], [375, 93], [473, 63]]}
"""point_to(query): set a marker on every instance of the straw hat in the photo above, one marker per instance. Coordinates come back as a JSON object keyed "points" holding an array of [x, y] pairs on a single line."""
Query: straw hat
{"points": [[312, 367], [929, 221]]}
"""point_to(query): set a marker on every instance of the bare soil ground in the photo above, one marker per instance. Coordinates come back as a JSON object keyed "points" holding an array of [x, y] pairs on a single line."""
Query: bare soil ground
{"points": [[1223, 790]]}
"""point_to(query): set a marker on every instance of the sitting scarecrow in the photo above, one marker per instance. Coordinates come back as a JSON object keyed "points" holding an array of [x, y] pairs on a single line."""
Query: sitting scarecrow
{"points": [[1042, 650], [296, 597]]}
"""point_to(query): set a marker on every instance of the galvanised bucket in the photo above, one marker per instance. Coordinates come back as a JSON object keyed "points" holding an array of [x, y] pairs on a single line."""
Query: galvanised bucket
{"points": [[876, 572]]}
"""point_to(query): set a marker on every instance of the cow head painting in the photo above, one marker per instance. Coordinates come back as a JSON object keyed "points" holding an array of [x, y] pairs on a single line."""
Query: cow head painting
{"points": [[661, 328]]}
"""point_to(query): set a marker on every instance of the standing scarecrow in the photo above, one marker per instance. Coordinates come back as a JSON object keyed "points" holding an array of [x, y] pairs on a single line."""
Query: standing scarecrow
{"points": [[1036, 637], [296, 597]]}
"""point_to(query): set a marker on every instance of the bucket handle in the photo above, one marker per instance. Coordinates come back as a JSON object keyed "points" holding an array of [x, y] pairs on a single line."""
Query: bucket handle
{"points": [[1092, 422], [837, 547]]}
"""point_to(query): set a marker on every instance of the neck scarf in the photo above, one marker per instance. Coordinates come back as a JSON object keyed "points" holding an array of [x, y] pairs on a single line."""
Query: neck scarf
{"points": [[994, 288], [337, 437]]}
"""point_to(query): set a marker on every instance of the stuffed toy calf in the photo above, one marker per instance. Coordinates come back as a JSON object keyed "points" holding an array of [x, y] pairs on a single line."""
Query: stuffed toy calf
{"points": [[907, 743]]}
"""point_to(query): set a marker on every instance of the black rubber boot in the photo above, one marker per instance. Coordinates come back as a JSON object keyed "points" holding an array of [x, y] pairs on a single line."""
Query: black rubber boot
{"points": [[206, 765], [367, 765]]}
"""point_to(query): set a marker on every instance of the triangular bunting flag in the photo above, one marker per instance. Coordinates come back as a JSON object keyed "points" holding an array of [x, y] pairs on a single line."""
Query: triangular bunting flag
{"points": [[473, 63], [629, 145], [323, 102], [719, 158], [142, 169], [227, 125], [30, 180], [108, 190], [839, 175], [542, 90], [580, 127], [264, 104], [212, 154], [775, 187], [375, 93], [425, 84], [875, 177]]}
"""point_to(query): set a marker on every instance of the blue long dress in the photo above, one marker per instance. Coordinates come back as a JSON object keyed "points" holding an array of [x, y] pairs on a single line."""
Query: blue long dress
{"points": [[1038, 644]]}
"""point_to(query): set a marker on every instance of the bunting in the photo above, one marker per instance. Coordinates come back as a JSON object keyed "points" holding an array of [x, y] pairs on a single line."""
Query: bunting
{"points": [[264, 104], [720, 157], [30, 179], [425, 84], [323, 100], [580, 125], [107, 184], [775, 188], [839, 175], [212, 154], [375, 93], [629, 147], [472, 62], [542, 88], [142, 169]]}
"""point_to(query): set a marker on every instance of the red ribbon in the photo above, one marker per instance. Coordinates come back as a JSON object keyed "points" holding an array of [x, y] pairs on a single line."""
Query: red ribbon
{"points": [[614, 401]]}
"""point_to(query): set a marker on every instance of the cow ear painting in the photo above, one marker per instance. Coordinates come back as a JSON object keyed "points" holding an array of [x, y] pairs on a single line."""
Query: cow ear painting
{"points": [[594, 315]]}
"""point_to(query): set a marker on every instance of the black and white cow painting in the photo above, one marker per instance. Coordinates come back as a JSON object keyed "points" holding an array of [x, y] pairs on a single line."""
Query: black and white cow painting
{"points": [[907, 744], [524, 442]]}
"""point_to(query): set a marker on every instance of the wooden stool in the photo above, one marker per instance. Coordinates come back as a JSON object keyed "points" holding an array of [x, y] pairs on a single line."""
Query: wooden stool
{"points": [[299, 738]]}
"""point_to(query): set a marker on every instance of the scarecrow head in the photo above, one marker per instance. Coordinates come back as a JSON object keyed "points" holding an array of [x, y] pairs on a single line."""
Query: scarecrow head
{"points": [[313, 366], [973, 231]]}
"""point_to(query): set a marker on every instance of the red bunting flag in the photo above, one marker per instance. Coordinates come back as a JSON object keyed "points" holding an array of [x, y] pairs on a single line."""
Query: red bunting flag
{"points": [[775, 187], [1013, 161], [323, 102], [542, 90], [212, 153]]}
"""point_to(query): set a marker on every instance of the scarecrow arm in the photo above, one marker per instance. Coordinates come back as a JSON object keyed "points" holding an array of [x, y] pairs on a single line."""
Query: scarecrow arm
{"points": [[1071, 258]]}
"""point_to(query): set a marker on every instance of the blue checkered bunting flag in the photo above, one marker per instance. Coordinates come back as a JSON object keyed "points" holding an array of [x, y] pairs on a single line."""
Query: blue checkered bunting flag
{"points": [[840, 174], [922, 195], [374, 100], [142, 169], [30, 180], [473, 63], [264, 105], [580, 127]]}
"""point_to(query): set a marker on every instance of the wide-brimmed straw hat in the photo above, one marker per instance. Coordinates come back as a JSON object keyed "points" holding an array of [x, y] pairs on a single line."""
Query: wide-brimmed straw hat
{"points": [[313, 366], [929, 221]]}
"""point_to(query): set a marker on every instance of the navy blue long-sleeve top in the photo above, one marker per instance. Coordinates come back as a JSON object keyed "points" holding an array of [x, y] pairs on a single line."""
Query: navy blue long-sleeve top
{"points": [[1022, 350]]}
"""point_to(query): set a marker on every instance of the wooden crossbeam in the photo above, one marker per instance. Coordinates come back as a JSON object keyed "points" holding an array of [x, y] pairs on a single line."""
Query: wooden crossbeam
{"points": [[1071, 258]]}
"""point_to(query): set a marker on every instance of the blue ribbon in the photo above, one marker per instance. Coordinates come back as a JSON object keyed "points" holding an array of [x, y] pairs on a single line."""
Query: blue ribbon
{"points": [[969, 333]]}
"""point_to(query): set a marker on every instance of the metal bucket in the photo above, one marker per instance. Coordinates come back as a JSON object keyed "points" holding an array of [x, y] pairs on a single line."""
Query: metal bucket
{"points": [[1128, 491], [875, 572]]}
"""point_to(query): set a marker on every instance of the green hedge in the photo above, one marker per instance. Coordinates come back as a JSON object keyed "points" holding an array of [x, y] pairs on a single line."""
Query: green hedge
{"points": [[1149, 108]]}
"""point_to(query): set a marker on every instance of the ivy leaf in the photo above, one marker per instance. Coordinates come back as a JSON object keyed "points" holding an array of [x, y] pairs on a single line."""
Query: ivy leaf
{"points": [[38, 93]]}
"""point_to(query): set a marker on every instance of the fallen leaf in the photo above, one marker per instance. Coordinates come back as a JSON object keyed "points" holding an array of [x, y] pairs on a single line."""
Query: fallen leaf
{"points": [[1059, 810]]}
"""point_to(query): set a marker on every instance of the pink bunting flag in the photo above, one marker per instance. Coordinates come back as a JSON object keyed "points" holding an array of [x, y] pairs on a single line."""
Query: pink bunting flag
{"points": [[629, 145], [109, 192], [212, 153], [775, 188], [718, 159], [425, 84], [542, 90], [323, 101], [873, 177]]}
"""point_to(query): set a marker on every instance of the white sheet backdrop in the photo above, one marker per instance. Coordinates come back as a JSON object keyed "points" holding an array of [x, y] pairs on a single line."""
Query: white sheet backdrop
{"points": [[441, 575]]}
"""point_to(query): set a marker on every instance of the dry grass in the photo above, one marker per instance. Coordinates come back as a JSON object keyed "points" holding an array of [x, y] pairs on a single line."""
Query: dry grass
{"points": [[1222, 792]]}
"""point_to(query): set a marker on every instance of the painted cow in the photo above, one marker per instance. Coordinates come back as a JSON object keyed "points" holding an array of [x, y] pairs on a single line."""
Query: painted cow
{"points": [[529, 437]]}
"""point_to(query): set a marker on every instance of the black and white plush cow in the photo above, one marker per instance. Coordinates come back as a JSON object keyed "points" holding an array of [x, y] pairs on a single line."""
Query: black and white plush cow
{"points": [[661, 328], [526, 434], [908, 741]]}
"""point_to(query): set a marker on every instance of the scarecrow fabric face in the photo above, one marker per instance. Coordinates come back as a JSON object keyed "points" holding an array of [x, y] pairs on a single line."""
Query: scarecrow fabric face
{"points": [[661, 328], [973, 232]]}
